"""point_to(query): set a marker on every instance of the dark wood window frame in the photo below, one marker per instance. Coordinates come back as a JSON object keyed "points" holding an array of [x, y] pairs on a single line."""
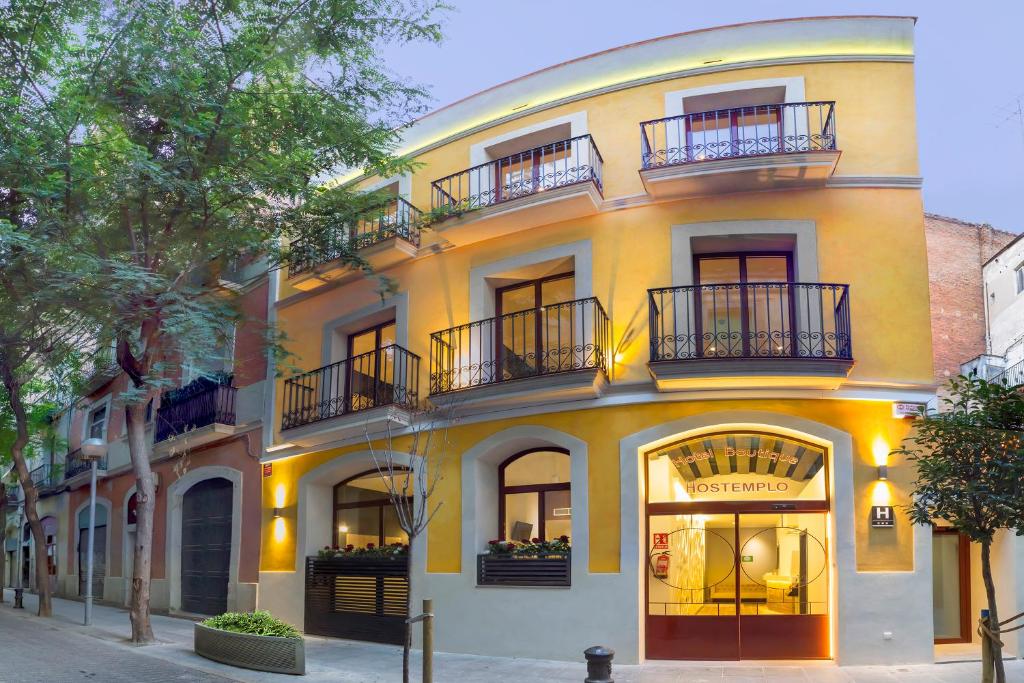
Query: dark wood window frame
{"points": [[380, 504], [742, 256], [538, 334], [964, 561], [376, 329], [734, 127], [540, 489]]}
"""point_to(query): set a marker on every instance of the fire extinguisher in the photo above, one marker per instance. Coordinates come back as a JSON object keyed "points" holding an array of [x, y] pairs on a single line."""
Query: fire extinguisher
{"points": [[661, 566]]}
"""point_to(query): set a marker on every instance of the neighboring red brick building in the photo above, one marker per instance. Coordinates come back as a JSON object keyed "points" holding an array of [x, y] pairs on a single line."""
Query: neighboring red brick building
{"points": [[957, 250]]}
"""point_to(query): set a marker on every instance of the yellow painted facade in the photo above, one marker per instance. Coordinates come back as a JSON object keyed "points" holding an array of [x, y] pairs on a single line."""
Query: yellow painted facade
{"points": [[869, 234]]}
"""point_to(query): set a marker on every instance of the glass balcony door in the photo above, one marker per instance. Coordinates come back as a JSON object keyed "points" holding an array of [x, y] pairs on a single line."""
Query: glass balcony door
{"points": [[745, 306], [535, 334], [370, 375], [740, 132]]}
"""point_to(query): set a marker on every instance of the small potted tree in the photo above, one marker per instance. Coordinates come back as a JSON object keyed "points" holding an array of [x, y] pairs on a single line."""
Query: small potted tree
{"points": [[251, 640]]}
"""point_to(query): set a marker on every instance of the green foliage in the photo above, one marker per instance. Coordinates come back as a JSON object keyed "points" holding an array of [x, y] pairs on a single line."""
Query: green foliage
{"points": [[970, 460], [159, 144], [259, 623]]}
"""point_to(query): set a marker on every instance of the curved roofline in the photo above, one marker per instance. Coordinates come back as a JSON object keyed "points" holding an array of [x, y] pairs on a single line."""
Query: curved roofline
{"points": [[648, 41]]}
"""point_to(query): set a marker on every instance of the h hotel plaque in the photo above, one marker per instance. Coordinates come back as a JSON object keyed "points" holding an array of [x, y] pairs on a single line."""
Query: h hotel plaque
{"points": [[882, 516]]}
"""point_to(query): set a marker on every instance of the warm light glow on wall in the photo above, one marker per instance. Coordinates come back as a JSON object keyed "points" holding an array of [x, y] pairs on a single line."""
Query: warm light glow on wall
{"points": [[881, 493], [880, 450], [279, 494], [280, 531]]}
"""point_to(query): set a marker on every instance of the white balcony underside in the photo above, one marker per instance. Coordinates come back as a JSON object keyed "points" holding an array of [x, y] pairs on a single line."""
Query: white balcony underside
{"points": [[528, 391], [515, 215], [792, 170], [380, 256], [372, 421], [750, 373]]}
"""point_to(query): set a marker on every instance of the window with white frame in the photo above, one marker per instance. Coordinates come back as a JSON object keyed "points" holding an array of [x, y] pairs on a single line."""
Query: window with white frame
{"points": [[1018, 275], [97, 423]]}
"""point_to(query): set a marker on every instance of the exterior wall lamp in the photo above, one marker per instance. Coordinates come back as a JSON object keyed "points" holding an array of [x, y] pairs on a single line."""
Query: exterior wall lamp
{"points": [[278, 513], [883, 472]]}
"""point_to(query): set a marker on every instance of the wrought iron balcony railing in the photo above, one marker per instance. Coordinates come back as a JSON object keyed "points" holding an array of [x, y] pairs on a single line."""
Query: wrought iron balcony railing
{"points": [[738, 132], [558, 338], [44, 477], [567, 162], [75, 463], [1013, 376], [398, 219], [768, 320], [387, 376], [199, 403]]}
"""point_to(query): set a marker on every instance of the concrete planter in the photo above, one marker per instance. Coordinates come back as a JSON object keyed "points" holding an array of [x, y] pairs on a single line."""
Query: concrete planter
{"points": [[261, 653]]}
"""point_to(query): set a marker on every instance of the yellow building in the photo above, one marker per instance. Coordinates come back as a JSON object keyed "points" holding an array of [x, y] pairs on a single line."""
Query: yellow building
{"points": [[675, 296]]}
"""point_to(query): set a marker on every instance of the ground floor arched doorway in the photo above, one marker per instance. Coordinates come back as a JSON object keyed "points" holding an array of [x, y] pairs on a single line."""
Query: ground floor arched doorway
{"points": [[206, 520], [99, 551], [737, 548]]}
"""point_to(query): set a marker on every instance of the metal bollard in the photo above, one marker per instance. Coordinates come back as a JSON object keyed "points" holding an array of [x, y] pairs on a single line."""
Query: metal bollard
{"points": [[18, 592], [599, 664]]}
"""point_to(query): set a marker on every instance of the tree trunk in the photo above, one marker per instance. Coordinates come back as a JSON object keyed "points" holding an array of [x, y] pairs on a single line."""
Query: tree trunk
{"points": [[993, 612], [13, 387], [139, 449], [407, 644], [3, 538]]}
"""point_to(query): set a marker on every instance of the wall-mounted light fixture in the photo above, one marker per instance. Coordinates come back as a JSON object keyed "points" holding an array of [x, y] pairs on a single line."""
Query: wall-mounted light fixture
{"points": [[883, 472], [278, 513]]}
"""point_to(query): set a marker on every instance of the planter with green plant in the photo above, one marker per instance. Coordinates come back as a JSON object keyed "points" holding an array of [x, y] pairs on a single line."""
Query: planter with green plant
{"points": [[252, 640]]}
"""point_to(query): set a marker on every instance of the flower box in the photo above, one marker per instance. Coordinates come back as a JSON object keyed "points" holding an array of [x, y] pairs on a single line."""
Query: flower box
{"points": [[260, 653], [498, 569]]}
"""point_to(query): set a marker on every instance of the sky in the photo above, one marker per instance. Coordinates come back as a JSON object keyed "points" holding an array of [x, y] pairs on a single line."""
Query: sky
{"points": [[969, 73]]}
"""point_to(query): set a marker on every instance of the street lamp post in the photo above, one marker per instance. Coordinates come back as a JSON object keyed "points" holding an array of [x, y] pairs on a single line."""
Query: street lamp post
{"points": [[93, 450]]}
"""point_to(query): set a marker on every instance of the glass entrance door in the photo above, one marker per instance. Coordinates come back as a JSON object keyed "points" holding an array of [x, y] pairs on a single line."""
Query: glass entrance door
{"points": [[738, 586], [951, 586]]}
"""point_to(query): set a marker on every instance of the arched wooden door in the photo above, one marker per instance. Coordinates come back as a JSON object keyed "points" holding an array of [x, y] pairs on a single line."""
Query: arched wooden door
{"points": [[206, 547]]}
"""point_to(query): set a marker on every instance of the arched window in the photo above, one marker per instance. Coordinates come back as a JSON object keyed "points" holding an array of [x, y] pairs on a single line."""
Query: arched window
{"points": [[363, 512], [534, 495]]}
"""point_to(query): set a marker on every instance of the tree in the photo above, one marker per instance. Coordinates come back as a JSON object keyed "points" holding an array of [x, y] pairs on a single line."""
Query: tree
{"points": [[410, 487], [970, 464], [187, 135]]}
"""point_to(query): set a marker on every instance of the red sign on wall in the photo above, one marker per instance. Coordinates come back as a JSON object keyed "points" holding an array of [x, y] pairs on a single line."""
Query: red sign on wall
{"points": [[661, 541], [268, 469]]}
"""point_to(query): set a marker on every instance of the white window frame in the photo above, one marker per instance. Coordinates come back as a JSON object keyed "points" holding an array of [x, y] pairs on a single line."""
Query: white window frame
{"points": [[1018, 275], [104, 402]]}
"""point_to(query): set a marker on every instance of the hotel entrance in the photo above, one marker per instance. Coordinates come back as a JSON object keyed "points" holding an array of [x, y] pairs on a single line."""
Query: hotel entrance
{"points": [[737, 549]]}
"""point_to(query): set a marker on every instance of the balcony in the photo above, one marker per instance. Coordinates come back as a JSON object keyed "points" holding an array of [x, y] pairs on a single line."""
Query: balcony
{"points": [[744, 149], [352, 396], [548, 354], [555, 182], [76, 464], [387, 237], [45, 478], [766, 334], [1012, 376], [201, 412], [98, 369]]}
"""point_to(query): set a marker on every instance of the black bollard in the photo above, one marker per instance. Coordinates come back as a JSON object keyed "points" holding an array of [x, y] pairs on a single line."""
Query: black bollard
{"points": [[599, 664], [17, 598]]}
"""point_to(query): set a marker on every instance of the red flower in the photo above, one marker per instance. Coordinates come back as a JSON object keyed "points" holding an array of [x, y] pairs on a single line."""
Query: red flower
{"points": [[534, 540], [334, 547], [349, 548], [563, 538], [370, 546]]}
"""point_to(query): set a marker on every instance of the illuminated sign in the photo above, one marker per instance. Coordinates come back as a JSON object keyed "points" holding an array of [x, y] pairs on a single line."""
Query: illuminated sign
{"points": [[268, 469], [699, 487], [905, 410], [661, 541], [731, 452], [882, 516]]}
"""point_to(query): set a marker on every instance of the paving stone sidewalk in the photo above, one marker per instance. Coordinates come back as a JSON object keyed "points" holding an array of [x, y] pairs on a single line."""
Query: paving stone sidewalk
{"points": [[102, 653]]}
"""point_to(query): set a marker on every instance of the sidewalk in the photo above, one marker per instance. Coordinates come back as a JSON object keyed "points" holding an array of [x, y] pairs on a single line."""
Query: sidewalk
{"points": [[344, 661]]}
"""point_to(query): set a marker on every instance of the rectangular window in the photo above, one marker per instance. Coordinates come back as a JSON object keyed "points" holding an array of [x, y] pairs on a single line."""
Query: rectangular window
{"points": [[97, 422], [1019, 278]]}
